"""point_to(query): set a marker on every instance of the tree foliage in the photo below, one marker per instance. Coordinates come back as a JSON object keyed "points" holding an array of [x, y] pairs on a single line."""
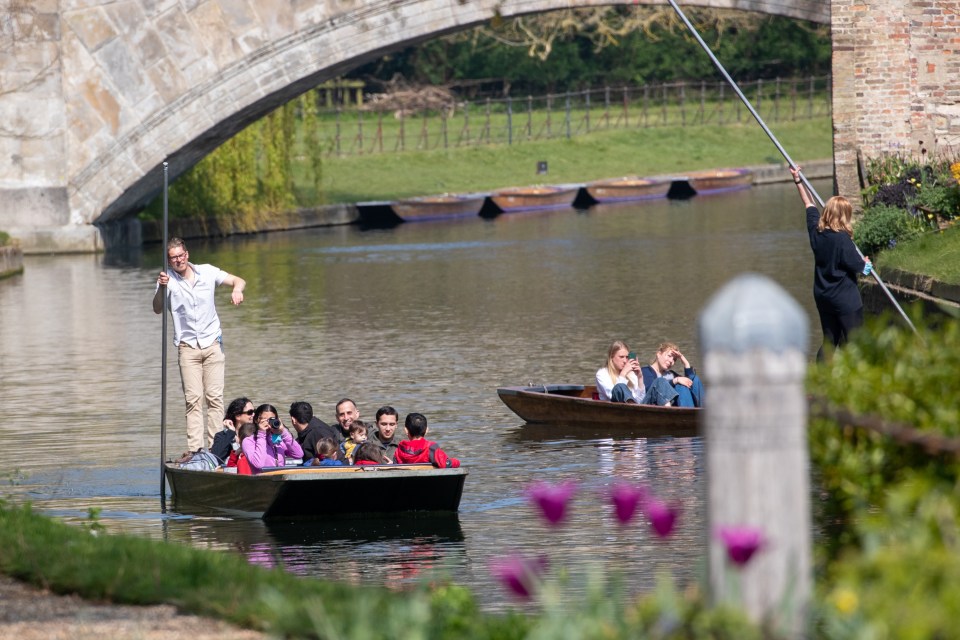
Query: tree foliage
{"points": [[579, 48]]}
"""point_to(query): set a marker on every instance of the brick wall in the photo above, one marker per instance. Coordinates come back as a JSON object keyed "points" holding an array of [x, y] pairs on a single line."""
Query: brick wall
{"points": [[896, 75]]}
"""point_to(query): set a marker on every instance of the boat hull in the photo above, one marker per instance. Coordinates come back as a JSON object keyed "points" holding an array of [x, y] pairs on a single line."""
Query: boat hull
{"points": [[628, 189], [574, 404], [720, 181], [534, 198], [430, 208], [315, 492]]}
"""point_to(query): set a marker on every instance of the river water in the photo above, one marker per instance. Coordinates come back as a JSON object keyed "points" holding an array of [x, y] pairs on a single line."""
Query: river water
{"points": [[428, 317]]}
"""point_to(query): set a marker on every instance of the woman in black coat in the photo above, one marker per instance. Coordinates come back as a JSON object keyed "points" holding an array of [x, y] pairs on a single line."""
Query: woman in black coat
{"points": [[837, 265]]}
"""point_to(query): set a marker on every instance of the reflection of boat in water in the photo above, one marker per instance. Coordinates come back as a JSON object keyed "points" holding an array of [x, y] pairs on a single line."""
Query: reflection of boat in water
{"points": [[535, 198], [720, 180], [575, 404], [297, 492], [628, 188], [442, 207]]}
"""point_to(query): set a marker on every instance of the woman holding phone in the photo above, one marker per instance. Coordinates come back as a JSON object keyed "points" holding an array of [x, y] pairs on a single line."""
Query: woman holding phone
{"points": [[272, 443], [664, 387], [619, 380]]}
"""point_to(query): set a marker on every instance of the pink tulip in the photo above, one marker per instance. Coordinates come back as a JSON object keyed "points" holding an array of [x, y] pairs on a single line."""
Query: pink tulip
{"points": [[626, 498], [518, 574], [741, 542], [552, 499], [663, 517]]}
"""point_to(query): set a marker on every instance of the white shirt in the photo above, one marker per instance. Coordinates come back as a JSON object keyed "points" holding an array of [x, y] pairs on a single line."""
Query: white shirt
{"points": [[195, 319], [605, 384]]}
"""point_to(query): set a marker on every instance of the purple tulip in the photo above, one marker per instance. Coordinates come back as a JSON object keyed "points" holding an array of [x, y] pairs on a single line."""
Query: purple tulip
{"points": [[518, 574], [663, 517], [626, 498], [741, 542], [552, 499]]}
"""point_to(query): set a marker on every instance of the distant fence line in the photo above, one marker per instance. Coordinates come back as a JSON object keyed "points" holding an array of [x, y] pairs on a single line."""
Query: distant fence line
{"points": [[510, 120]]}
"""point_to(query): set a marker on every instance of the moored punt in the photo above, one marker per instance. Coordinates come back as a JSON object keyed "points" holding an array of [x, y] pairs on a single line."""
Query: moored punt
{"points": [[628, 188], [720, 180], [297, 492], [574, 404], [535, 198], [441, 207]]}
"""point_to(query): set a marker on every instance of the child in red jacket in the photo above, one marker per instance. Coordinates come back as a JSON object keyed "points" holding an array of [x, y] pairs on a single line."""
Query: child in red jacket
{"points": [[418, 449]]}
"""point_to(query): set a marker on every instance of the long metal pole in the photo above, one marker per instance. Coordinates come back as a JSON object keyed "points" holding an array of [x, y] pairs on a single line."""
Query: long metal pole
{"points": [[163, 366], [783, 152]]}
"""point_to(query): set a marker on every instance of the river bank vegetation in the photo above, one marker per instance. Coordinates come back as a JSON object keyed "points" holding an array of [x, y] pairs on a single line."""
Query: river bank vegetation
{"points": [[883, 445], [912, 202]]}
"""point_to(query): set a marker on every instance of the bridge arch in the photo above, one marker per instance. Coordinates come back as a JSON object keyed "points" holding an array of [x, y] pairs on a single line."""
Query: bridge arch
{"points": [[111, 89]]}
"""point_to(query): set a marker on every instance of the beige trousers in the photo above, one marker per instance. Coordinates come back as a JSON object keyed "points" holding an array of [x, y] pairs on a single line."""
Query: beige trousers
{"points": [[201, 371]]}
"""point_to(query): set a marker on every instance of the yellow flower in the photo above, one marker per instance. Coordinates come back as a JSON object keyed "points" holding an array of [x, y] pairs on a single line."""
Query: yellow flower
{"points": [[955, 170], [845, 600]]}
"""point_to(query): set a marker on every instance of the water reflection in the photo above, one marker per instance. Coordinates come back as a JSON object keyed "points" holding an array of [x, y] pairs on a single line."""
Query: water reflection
{"points": [[425, 317]]}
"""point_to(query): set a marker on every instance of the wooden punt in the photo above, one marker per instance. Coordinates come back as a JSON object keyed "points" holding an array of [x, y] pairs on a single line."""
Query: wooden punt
{"points": [[316, 492], [442, 207], [720, 180], [574, 404], [628, 188], [535, 198]]}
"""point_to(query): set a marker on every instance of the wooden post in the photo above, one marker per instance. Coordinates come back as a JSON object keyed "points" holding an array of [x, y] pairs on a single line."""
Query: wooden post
{"points": [[754, 339]]}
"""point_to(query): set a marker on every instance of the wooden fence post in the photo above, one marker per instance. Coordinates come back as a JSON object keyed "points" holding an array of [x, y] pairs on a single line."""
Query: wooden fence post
{"points": [[754, 339]]}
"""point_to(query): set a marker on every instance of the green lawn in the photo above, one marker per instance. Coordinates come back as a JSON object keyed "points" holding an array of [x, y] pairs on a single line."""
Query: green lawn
{"points": [[933, 254], [607, 154]]}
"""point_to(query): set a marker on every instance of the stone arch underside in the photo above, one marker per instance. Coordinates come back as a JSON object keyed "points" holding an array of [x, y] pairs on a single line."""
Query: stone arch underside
{"points": [[253, 64]]}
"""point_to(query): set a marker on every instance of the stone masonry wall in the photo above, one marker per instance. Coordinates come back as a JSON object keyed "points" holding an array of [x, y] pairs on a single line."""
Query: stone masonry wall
{"points": [[896, 74]]}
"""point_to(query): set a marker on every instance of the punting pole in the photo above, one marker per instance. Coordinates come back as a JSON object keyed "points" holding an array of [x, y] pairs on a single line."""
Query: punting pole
{"points": [[163, 366], [776, 142]]}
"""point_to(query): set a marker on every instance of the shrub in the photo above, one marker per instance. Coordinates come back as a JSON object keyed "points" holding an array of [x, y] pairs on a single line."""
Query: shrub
{"points": [[882, 227], [4, 238]]}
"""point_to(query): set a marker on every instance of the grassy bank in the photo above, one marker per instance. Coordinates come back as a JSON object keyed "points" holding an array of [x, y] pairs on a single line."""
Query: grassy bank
{"points": [[604, 154], [932, 254]]}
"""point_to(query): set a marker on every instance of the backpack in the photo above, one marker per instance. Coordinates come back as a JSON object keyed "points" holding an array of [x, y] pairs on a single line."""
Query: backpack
{"points": [[200, 460]]}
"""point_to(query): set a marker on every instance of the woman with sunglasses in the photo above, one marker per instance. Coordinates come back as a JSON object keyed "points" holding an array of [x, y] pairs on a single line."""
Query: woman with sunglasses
{"points": [[272, 444], [239, 412]]}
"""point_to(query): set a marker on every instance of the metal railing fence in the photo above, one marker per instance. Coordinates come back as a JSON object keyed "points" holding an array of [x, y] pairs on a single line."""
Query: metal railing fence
{"points": [[514, 120]]}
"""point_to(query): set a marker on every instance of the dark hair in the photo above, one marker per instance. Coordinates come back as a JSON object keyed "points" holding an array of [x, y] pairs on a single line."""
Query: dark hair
{"points": [[302, 411], [263, 409], [326, 448], [370, 452], [247, 430], [357, 426], [342, 400], [386, 410], [235, 408], [416, 425]]}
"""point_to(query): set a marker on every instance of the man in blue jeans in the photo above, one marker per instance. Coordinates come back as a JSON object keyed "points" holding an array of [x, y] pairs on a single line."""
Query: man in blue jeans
{"points": [[196, 334]]}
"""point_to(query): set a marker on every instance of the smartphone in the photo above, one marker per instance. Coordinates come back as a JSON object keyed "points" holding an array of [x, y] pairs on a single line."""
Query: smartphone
{"points": [[632, 355]]}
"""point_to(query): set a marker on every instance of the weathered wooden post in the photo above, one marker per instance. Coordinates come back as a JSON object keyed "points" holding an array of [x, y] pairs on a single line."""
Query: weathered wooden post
{"points": [[754, 340]]}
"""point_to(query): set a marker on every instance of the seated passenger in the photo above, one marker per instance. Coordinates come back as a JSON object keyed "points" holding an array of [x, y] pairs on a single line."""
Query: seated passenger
{"points": [[356, 435], [271, 444], [327, 454], [310, 429], [664, 387], [416, 448], [384, 433], [239, 412], [619, 380], [237, 458], [369, 453]]}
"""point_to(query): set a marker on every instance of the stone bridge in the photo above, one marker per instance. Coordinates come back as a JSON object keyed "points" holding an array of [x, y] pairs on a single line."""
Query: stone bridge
{"points": [[96, 94]]}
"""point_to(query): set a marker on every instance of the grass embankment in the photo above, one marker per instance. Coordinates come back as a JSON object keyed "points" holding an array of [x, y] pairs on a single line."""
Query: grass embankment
{"points": [[125, 569], [933, 254], [606, 154]]}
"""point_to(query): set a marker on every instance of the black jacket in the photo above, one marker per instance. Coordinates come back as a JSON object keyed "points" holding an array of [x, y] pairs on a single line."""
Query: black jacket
{"points": [[316, 430]]}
